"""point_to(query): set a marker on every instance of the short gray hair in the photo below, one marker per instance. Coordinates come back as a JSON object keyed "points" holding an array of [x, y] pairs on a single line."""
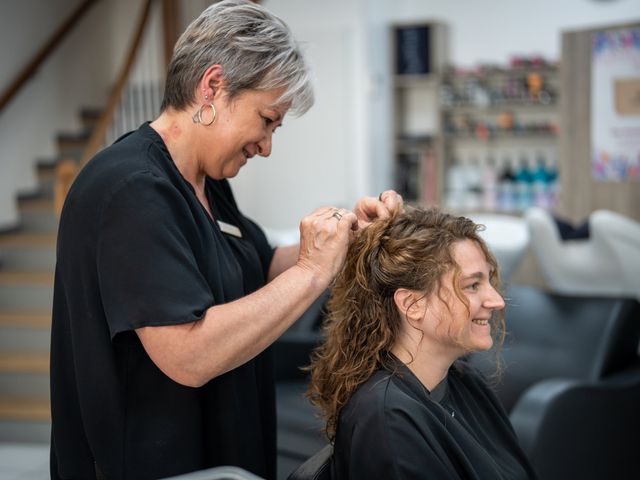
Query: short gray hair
{"points": [[255, 48]]}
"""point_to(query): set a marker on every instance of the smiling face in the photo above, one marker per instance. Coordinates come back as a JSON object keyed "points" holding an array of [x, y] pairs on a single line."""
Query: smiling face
{"points": [[458, 326], [243, 128]]}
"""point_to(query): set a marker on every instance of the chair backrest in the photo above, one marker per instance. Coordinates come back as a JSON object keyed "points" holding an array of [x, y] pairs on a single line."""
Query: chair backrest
{"points": [[318, 467], [559, 336], [581, 429], [585, 267], [622, 235]]}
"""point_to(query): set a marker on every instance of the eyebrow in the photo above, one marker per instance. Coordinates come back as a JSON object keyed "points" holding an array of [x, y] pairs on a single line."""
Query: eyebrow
{"points": [[475, 275]]}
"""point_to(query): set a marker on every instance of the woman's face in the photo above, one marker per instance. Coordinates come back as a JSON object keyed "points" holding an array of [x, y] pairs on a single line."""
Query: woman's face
{"points": [[243, 128], [457, 328]]}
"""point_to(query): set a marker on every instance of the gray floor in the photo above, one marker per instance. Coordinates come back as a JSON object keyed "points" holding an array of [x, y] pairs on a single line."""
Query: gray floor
{"points": [[24, 461]]}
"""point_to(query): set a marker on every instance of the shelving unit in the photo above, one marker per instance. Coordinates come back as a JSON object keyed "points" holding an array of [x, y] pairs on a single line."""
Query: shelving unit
{"points": [[497, 124], [419, 58], [483, 140]]}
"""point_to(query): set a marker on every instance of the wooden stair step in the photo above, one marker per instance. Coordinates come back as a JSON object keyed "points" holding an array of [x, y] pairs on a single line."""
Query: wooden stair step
{"points": [[33, 409], [25, 319], [46, 171], [27, 205], [28, 240], [26, 278], [19, 362], [90, 116]]}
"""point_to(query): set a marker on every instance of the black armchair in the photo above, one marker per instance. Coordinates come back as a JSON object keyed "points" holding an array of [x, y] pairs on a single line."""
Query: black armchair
{"points": [[318, 467], [581, 429]]}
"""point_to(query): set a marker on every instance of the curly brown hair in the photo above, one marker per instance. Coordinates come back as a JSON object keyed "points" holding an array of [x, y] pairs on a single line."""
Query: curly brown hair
{"points": [[410, 250]]}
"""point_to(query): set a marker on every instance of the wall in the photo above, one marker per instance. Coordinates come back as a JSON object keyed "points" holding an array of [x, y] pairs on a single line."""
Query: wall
{"points": [[309, 165], [78, 74], [322, 157]]}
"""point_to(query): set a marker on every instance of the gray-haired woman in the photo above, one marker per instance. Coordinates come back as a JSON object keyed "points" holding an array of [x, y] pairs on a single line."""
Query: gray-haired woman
{"points": [[166, 297]]}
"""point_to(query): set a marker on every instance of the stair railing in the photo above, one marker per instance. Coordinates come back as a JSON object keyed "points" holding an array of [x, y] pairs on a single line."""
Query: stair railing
{"points": [[49, 47], [135, 97]]}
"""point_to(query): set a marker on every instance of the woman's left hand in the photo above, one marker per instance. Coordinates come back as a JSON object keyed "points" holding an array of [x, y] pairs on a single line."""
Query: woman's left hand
{"points": [[370, 208]]}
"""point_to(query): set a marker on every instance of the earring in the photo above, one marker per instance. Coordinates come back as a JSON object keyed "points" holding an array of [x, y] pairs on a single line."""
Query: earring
{"points": [[197, 117]]}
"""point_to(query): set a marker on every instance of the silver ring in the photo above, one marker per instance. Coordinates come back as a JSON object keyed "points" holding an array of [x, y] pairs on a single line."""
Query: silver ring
{"points": [[337, 215]]}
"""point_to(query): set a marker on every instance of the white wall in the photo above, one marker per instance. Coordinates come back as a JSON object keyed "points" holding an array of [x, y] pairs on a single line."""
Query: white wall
{"points": [[320, 158], [494, 30], [309, 165]]}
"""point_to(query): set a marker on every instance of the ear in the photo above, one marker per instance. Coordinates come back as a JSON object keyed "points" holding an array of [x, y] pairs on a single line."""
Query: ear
{"points": [[411, 304], [211, 84]]}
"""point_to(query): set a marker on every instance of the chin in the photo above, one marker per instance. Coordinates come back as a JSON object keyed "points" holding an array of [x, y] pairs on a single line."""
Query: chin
{"points": [[484, 344], [479, 344]]}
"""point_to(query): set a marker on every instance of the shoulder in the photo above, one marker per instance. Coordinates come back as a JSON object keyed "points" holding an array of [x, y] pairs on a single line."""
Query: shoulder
{"points": [[384, 398]]}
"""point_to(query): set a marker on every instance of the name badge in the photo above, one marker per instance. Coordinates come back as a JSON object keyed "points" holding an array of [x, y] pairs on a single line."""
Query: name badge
{"points": [[229, 229]]}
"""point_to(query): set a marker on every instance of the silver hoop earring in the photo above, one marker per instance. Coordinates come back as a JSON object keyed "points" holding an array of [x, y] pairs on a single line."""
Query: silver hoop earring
{"points": [[197, 118]]}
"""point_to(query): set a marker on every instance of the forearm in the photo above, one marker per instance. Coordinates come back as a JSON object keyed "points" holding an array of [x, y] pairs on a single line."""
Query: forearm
{"points": [[231, 334], [283, 259]]}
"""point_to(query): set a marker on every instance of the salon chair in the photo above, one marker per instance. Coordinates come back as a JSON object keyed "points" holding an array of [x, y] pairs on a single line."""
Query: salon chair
{"points": [[315, 468], [622, 235], [550, 335], [571, 382], [576, 267], [582, 429]]}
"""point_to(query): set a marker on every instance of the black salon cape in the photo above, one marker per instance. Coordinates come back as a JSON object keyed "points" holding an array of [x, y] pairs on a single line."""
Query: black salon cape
{"points": [[393, 428], [135, 249]]}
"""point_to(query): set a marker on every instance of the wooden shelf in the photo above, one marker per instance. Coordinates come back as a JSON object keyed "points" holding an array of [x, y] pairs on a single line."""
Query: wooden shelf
{"points": [[528, 137], [500, 107]]}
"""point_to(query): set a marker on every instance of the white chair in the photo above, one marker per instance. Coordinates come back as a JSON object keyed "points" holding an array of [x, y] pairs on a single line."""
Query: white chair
{"points": [[576, 267], [622, 234], [507, 237]]}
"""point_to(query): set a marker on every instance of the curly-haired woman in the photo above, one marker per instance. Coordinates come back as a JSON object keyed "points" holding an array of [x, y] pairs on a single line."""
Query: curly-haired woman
{"points": [[418, 292]]}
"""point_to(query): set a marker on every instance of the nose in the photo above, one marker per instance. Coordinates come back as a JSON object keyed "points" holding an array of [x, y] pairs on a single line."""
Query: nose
{"points": [[494, 300], [264, 145]]}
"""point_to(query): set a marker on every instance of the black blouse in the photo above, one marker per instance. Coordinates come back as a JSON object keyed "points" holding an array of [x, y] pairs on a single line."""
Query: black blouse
{"points": [[394, 428], [136, 248]]}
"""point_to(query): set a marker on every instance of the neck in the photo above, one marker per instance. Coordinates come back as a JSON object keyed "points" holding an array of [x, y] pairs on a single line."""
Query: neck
{"points": [[177, 131], [429, 365]]}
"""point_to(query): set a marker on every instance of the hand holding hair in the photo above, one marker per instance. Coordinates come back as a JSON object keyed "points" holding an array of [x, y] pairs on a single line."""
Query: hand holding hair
{"points": [[324, 239], [369, 208]]}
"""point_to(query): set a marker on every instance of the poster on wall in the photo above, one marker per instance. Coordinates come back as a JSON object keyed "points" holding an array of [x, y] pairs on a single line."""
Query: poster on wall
{"points": [[615, 105]]}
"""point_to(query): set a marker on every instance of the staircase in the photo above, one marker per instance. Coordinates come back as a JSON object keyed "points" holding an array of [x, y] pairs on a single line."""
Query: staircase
{"points": [[27, 263]]}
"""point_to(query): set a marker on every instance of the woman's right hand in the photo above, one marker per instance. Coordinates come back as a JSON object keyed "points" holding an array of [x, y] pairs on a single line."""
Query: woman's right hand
{"points": [[324, 239]]}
